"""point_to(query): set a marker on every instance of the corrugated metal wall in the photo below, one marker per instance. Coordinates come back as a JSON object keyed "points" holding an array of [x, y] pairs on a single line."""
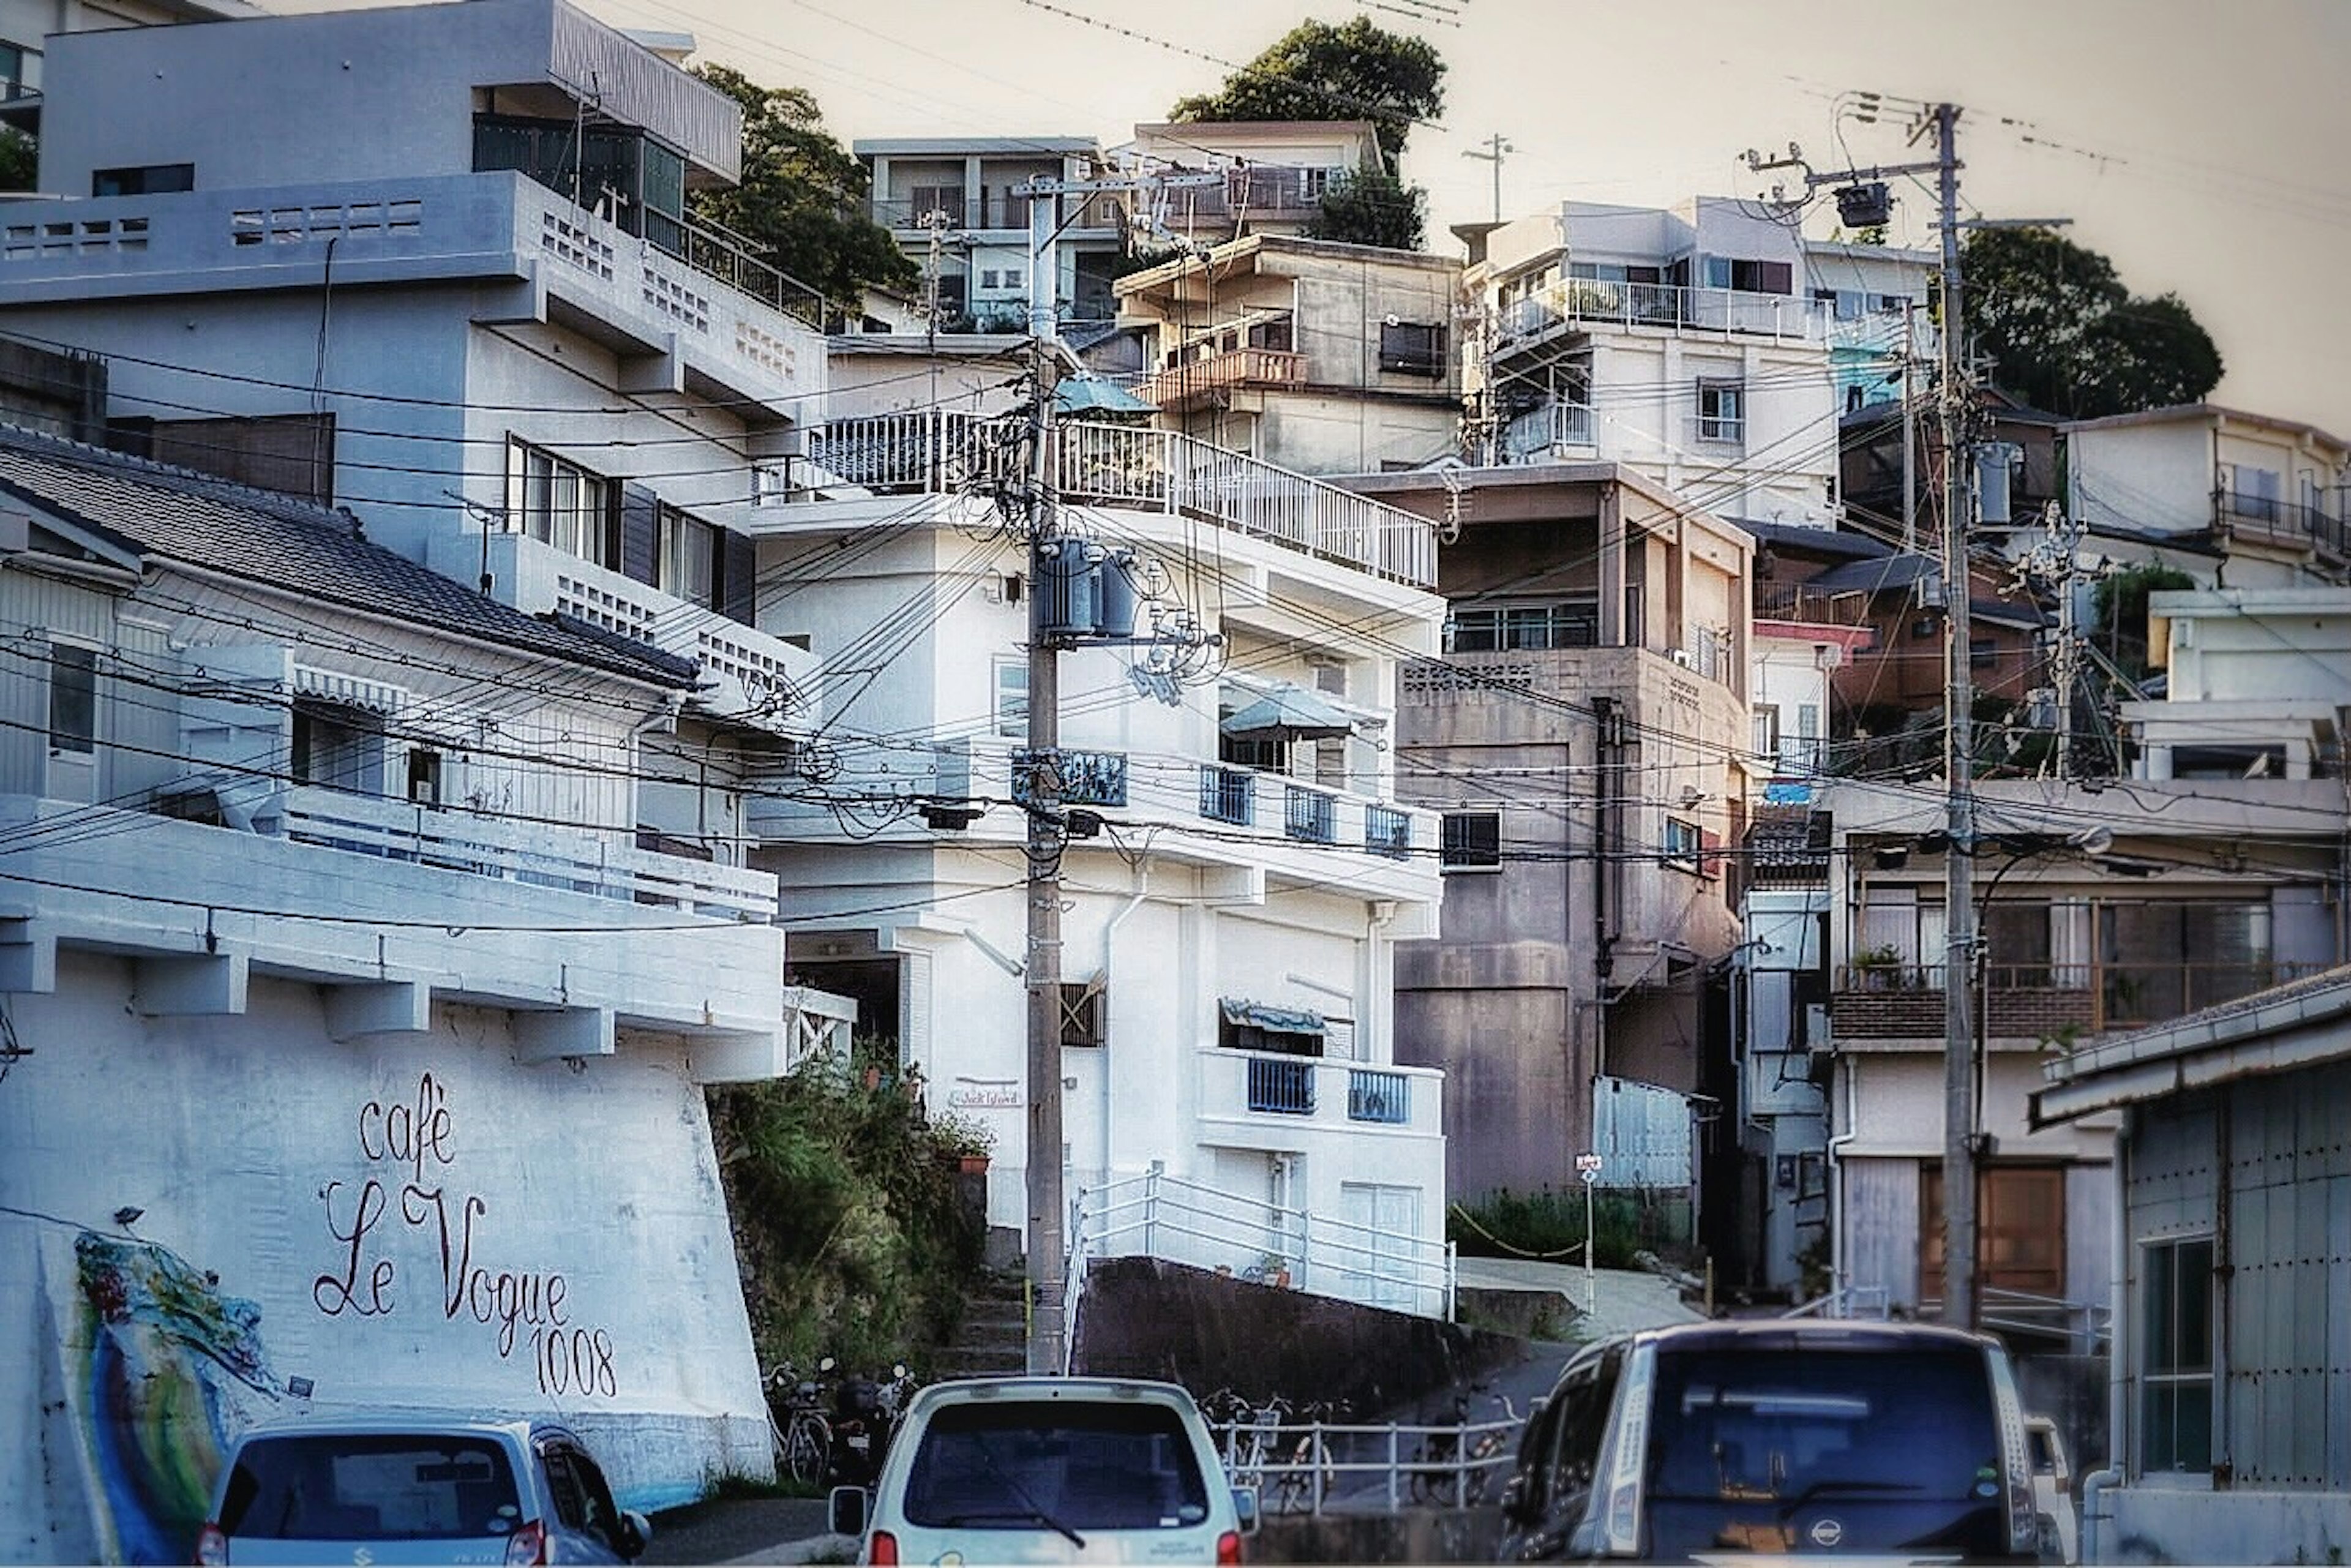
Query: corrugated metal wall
{"points": [[1881, 1220], [1642, 1134]]}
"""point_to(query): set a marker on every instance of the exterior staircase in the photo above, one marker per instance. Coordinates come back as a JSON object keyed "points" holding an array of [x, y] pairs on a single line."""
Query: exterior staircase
{"points": [[992, 1339]]}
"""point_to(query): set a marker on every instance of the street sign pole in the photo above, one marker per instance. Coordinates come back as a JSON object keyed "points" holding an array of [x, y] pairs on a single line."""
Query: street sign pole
{"points": [[1588, 1167]]}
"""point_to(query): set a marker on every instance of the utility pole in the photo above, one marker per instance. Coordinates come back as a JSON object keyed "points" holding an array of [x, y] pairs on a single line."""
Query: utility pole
{"points": [[1960, 1295], [1497, 147], [1960, 1109], [1909, 433]]}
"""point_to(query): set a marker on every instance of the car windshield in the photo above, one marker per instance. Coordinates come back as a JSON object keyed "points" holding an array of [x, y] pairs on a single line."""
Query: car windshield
{"points": [[347, 1486], [1056, 1465], [1790, 1425]]}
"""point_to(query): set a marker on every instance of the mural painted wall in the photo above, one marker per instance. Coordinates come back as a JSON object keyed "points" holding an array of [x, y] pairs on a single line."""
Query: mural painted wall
{"points": [[397, 1223]]}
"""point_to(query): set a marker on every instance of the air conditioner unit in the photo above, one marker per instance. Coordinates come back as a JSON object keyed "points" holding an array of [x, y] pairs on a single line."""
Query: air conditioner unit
{"points": [[1681, 656], [1828, 655]]}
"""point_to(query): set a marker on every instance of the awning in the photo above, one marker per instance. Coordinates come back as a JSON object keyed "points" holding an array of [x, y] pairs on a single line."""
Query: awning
{"points": [[348, 691], [1273, 1020], [1288, 713], [1093, 394]]}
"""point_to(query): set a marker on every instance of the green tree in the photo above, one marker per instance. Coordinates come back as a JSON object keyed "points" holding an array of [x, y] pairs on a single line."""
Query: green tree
{"points": [[802, 195], [20, 161], [2066, 334], [1372, 208], [2120, 609], [1319, 71]]}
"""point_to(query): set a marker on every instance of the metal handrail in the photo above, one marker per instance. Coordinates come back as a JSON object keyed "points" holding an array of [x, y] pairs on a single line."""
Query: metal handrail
{"points": [[1272, 1447]]}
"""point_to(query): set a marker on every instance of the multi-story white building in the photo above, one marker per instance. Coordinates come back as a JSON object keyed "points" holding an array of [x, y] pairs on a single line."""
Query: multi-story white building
{"points": [[2258, 681], [1680, 343], [409, 300], [331, 974], [960, 191], [1229, 935], [1276, 171], [1876, 299]]}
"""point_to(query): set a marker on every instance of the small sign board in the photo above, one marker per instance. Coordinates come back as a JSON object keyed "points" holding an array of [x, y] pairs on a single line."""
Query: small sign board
{"points": [[1588, 1167]]}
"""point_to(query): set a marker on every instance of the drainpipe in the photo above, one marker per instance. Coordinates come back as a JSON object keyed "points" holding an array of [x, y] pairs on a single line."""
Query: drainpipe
{"points": [[2095, 1485], [1852, 1076], [1110, 931]]}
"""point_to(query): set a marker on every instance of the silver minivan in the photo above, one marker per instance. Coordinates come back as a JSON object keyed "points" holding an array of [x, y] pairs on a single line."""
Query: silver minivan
{"points": [[1050, 1470]]}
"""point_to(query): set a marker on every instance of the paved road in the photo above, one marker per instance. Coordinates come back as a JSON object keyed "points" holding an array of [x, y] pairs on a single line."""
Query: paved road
{"points": [[745, 1530]]}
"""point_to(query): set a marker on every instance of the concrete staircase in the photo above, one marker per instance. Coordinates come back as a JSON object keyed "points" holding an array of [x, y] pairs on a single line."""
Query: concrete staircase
{"points": [[992, 1339]]}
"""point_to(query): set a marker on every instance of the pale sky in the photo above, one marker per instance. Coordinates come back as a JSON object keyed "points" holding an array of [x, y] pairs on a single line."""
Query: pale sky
{"points": [[2199, 145]]}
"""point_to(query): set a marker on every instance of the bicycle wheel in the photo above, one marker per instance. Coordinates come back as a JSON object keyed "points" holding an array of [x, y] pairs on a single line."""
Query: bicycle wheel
{"points": [[807, 1448]]}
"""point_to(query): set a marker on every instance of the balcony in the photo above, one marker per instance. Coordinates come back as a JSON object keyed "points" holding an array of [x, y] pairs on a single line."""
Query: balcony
{"points": [[997, 210], [2239, 513], [1309, 816], [2034, 1001], [948, 452], [708, 317], [748, 676], [1544, 434], [1588, 303], [1337, 1095], [1203, 381]]}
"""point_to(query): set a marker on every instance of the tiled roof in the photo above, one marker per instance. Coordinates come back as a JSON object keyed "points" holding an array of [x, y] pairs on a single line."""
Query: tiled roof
{"points": [[291, 545]]}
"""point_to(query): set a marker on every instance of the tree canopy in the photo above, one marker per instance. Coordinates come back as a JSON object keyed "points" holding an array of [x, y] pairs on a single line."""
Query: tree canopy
{"points": [[1372, 208], [1319, 71], [2066, 334], [802, 194]]}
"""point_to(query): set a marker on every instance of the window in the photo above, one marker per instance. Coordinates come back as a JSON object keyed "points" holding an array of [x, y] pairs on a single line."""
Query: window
{"points": [[1470, 840], [1085, 1013], [338, 747], [73, 699], [559, 503], [20, 70], [1413, 349], [1683, 842], [1983, 653], [1721, 411], [1105, 1464], [687, 561], [990, 277], [366, 1487], [1767, 730], [1314, 182], [2257, 493], [1574, 624], [1274, 333], [1015, 277], [148, 179], [424, 778], [1012, 698], [2176, 1409], [1750, 277]]}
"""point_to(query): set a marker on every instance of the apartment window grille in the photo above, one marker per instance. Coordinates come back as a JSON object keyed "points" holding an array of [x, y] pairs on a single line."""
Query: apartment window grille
{"points": [[1413, 349], [1280, 1088], [1311, 817], [1516, 627], [1376, 1096], [1225, 794], [1683, 842], [2176, 1402], [73, 699], [686, 559], [556, 501], [1387, 832], [1470, 840], [1012, 698], [1085, 1009], [1721, 410]]}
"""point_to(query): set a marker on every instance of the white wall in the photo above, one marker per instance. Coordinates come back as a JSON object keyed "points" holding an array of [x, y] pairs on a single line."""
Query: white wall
{"points": [[2151, 476], [251, 1146]]}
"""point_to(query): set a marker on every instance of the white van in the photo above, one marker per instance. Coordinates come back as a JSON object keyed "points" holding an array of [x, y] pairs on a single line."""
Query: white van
{"points": [[1050, 1470]]}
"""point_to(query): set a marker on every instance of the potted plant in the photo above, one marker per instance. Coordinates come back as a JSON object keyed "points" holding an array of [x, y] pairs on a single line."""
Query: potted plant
{"points": [[1878, 968], [964, 1143]]}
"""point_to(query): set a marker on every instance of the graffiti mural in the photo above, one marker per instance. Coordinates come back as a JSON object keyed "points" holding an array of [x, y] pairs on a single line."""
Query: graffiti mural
{"points": [[174, 1370]]}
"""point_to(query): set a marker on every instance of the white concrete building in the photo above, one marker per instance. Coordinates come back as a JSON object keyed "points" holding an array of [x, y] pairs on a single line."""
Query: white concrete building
{"points": [[408, 300], [1680, 343], [1228, 937], [961, 188], [331, 977], [2258, 679], [2269, 492], [1877, 300], [1276, 171]]}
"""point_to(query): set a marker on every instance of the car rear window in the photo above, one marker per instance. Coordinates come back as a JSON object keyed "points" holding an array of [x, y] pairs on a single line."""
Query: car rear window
{"points": [[1783, 1426], [342, 1487], [1033, 1463]]}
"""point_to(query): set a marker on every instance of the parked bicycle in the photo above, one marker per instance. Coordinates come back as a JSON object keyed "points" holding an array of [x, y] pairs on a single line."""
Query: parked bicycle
{"points": [[1308, 1475], [1492, 1449], [803, 1438], [1436, 1478]]}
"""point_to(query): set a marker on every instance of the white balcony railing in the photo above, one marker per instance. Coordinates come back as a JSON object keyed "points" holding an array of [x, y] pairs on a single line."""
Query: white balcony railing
{"points": [[603, 865], [1590, 302], [1550, 428], [1325, 1092], [1160, 1215], [939, 451]]}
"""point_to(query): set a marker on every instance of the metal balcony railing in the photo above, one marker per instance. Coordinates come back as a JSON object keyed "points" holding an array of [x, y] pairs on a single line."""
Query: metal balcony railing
{"points": [[1228, 794], [1376, 1096], [1309, 816], [1387, 832], [1587, 302], [1542, 430], [2240, 512], [1906, 1000], [1180, 386], [942, 450], [1279, 1087]]}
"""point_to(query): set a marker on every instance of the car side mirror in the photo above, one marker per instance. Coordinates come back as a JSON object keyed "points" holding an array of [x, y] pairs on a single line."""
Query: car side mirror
{"points": [[1244, 1509], [1514, 1499], [848, 1509], [636, 1534]]}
